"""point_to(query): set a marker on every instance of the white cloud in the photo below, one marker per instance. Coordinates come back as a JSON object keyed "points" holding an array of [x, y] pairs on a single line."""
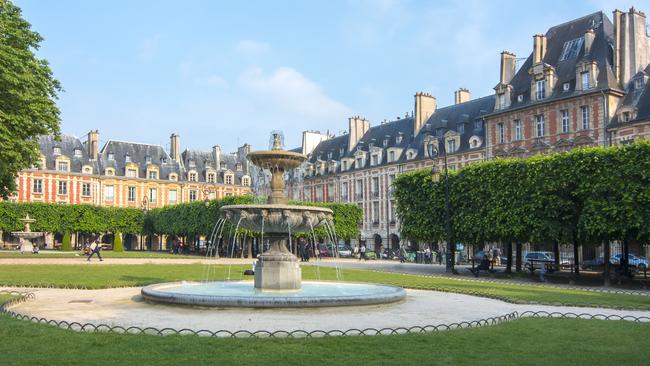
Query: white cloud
{"points": [[213, 80], [252, 48], [287, 89]]}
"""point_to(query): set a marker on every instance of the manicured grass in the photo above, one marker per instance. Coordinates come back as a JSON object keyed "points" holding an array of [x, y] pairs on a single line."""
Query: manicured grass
{"points": [[521, 342], [106, 276], [105, 253]]}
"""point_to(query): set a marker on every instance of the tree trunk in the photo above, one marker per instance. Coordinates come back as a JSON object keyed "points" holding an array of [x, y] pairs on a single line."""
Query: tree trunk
{"points": [[606, 256], [556, 254], [626, 256], [518, 263], [509, 257], [576, 260]]}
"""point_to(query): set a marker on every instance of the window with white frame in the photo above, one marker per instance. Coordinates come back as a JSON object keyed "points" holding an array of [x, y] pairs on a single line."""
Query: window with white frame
{"points": [[111, 156], [131, 194], [375, 160], [501, 133], [37, 186], [344, 192], [63, 187], [153, 174], [584, 77], [502, 101], [246, 181], [540, 125], [584, 111], [127, 158], [109, 193], [85, 189], [77, 153], [541, 89], [153, 195], [375, 187], [56, 150], [172, 196], [211, 178], [192, 196], [147, 159], [229, 179], [191, 176], [391, 156], [451, 146], [565, 120], [359, 189], [63, 166], [518, 130], [375, 213], [131, 173]]}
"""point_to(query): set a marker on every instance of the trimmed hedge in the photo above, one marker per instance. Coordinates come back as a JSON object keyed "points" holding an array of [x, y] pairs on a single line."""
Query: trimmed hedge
{"points": [[583, 196]]}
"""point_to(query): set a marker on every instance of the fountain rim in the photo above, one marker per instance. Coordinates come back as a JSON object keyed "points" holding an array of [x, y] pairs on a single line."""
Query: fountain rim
{"points": [[283, 153], [276, 207], [275, 298]]}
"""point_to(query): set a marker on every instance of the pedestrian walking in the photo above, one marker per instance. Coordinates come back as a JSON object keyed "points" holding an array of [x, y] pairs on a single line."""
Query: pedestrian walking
{"points": [[96, 248], [362, 253]]}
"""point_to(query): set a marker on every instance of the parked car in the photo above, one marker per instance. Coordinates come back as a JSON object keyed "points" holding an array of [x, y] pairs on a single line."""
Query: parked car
{"points": [[344, 250], [535, 260], [635, 261], [592, 263]]}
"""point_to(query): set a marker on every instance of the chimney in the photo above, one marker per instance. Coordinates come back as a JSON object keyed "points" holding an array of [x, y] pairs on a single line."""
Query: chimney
{"points": [[93, 144], [175, 147], [508, 67], [216, 156], [539, 48], [462, 95], [425, 106], [630, 44], [589, 40], [358, 127]]}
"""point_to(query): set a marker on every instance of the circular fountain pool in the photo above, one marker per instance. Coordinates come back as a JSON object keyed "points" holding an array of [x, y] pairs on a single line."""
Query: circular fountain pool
{"points": [[243, 294]]}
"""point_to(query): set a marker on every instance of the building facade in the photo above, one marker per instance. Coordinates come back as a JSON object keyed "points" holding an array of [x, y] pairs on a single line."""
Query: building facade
{"points": [[584, 84], [130, 174]]}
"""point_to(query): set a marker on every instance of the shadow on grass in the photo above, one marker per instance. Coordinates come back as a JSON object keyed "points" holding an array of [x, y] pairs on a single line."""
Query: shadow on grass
{"points": [[142, 281]]}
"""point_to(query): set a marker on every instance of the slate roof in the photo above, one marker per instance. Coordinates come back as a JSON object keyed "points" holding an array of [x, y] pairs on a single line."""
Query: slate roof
{"points": [[601, 52], [138, 154], [67, 146]]}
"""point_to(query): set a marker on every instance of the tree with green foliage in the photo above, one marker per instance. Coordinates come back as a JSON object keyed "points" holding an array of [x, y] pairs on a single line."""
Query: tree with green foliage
{"points": [[27, 96]]}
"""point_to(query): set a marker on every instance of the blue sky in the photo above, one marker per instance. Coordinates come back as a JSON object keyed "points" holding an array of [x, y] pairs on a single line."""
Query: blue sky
{"points": [[230, 72]]}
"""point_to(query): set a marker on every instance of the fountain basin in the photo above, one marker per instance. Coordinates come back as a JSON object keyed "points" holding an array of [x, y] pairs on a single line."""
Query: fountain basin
{"points": [[243, 294], [277, 218]]}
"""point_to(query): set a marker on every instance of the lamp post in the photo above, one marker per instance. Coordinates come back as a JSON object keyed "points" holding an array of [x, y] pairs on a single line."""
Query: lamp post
{"points": [[145, 208], [433, 151]]}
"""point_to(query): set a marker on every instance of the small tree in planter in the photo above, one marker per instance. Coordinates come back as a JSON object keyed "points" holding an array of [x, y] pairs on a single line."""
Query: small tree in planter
{"points": [[66, 245], [117, 244]]}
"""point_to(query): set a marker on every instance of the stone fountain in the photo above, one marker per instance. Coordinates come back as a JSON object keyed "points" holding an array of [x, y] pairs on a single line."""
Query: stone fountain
{"points": [[27, 235], [277, 281], [277, 268]]}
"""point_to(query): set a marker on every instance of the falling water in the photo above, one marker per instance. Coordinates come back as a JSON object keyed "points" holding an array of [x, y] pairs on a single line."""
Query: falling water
{"points": [[210, 250], [313, 235], [233, 238], [332, 235]]}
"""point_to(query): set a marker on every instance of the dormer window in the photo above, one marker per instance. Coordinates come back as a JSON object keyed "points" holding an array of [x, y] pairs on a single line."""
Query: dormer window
{"points": [[63, 166], [461, 128], [502, 101], [520, 98], [57, 150], [626, 116], [192, 177], [222, 165], [229, 178], [127, 158], [386, 142], [341, 152], [329, 155], [391, 156], [359, 162], [238, 167], [245, 181], [173, 177], [638, 83], [584, 77], [451, 146], [212, 178], [111, 156], [398, 140], [153, 174], [540, 92], [163, 160], [147, 159], [375, 160], [77, 153], [566, 86]]}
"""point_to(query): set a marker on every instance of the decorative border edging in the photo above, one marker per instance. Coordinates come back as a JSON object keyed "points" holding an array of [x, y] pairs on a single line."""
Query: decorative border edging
{"points": [[94, 328]]}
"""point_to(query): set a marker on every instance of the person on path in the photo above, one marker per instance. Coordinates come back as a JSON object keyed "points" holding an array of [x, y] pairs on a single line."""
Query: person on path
{"points": [[362, 253], [96, 249]]}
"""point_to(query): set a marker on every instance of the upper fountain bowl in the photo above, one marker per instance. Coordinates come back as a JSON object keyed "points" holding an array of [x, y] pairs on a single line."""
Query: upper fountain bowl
{"points": [[278, 218], [276, 159]]}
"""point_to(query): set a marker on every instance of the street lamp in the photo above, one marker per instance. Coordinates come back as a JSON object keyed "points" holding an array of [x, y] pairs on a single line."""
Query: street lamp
{"points": [[145, 207], [433, 151]]}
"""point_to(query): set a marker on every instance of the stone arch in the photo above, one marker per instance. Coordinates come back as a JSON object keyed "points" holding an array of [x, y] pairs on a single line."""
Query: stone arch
{"points": [[394, 242]]}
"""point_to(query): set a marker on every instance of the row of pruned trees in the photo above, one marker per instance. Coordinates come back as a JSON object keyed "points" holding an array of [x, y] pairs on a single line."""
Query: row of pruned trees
{"points": [[583, 197]]}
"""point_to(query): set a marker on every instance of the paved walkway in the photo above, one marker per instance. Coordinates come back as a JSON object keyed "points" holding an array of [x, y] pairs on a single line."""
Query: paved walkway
{"points": [[125, 307]]}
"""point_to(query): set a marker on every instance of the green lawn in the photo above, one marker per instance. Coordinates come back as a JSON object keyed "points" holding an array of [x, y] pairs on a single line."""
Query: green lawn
{"points": [[105, 253], [106, 276], [521, 342]]}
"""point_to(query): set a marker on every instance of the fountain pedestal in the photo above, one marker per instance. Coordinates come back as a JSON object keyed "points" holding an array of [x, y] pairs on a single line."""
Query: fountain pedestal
{"points": [[277, 268]]}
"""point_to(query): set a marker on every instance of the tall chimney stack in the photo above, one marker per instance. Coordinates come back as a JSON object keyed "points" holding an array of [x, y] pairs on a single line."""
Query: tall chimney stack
{"points": [[462, 95], [93, 144], [425, 106], [175, 147], [358, 127], [216, 156], [630, 44], [539, 48], [508, 67]]}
